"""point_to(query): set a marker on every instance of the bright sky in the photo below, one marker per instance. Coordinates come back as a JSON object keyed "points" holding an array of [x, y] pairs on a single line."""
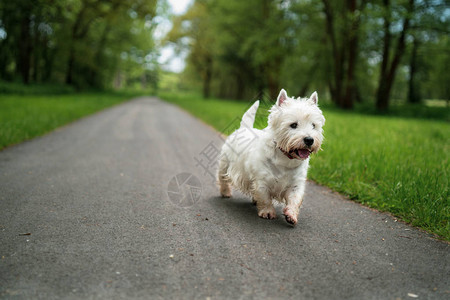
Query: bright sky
{"points": [[168, 59], [179, 6]]}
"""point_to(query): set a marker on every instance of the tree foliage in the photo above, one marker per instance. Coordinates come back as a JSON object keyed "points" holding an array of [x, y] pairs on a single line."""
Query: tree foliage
{"points": [[85, 43], [354, 50]]}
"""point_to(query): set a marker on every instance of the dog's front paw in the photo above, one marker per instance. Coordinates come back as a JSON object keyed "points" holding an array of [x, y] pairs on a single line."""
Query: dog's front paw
{"points": [[226, 195], [290, 215], [267, 213], [225, 191]]}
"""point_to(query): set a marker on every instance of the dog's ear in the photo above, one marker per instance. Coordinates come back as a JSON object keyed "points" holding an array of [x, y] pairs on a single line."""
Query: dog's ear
{"points": [[282, 96], [314, 98]]}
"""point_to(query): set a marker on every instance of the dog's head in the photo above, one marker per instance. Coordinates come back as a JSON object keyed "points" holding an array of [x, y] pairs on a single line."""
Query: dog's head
{"points": [[296, 125]]}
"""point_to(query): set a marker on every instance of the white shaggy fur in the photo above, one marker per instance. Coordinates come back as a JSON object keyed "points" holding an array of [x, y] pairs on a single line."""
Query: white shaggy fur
{"points": [[272, 164]]}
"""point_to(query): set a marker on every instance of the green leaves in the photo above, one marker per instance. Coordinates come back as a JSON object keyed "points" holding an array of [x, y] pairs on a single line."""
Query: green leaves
{"points": [[347, 49], [80, 42]]}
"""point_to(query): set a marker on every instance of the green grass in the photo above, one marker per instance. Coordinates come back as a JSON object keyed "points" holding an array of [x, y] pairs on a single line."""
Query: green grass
{"points": [[394, 164], [24, 116], [430, 110], [19, 88]]}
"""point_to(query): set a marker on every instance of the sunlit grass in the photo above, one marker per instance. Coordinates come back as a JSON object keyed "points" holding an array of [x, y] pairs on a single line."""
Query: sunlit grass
{"points": [[397, 165], [437, 103], [23, 117], [400, 165]]}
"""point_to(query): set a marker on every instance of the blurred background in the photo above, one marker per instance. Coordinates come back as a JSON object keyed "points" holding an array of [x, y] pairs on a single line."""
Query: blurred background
{"points": [[376, 52]]}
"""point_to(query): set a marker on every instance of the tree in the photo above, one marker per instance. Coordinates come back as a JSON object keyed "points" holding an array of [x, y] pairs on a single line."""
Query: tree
{"points": [[227, 52], [16, 20], [428, 23], [435, 56], [342, 27], [352, 48], [254, 42], [413, 90], [391, 55], [79, 42], [193, 31]]}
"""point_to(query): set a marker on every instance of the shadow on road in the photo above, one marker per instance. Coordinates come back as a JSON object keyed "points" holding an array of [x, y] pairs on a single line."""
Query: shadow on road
{"points": [[242, 211]]}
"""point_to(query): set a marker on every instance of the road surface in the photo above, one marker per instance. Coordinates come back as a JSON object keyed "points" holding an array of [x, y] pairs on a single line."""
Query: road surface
{"points": [[121, 205]]}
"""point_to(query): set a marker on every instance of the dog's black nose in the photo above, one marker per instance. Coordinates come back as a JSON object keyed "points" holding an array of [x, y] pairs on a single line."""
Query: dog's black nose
{"points": [[308, 141]]}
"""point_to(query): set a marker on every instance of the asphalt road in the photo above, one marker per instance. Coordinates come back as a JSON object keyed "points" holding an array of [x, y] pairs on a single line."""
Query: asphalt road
{"points": [[101, 209]]}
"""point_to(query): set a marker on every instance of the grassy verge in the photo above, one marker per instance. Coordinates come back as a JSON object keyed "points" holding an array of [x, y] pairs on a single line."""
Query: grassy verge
{"points": [[25, 116], [400, 165]]}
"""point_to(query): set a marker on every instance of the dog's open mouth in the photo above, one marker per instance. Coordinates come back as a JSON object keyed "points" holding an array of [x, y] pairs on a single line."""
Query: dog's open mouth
{"points": [[297, 153], [300, 153]]}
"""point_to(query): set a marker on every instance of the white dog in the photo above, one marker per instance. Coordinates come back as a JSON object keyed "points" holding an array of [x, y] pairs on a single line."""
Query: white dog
{"points": [[272, 163]]}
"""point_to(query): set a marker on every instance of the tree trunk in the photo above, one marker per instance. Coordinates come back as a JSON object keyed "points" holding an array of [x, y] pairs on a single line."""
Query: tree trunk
{"points": [[25, 48], [344, 54], [260, 85], [272, 83], [352, 56], [383, 95], [94, 78], [36, 53], [240, 84], [387, 74], [48, 56], [70, 62], [338, 59], [413, 90], [78, 32], [381, 102], [207, 78], [303, 90]]}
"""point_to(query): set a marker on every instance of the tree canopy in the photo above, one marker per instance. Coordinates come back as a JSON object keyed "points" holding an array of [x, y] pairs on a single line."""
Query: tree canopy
{"points": [[376, 51], [354, 50], [85, 43]]}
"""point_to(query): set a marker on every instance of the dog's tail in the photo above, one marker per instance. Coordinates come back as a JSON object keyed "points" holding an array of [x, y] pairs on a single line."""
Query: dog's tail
{"points": [[248, 119]]}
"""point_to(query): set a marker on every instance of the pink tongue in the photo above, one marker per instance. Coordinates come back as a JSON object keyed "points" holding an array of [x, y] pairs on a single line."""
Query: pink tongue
{"points": [[303, 153]]}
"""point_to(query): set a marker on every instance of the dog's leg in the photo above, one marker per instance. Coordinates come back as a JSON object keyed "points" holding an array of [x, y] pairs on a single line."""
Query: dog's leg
{"points": [[294, 200], [224, 180], [264, 205]]}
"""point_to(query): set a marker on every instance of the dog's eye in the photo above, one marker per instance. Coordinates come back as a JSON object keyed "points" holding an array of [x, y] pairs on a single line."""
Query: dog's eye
{"points": [[294, 125], [314, 125]]}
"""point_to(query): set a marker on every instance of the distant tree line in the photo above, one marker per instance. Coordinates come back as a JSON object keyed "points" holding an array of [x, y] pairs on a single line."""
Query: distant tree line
{"points": [[84, 43], [356, 50]]}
